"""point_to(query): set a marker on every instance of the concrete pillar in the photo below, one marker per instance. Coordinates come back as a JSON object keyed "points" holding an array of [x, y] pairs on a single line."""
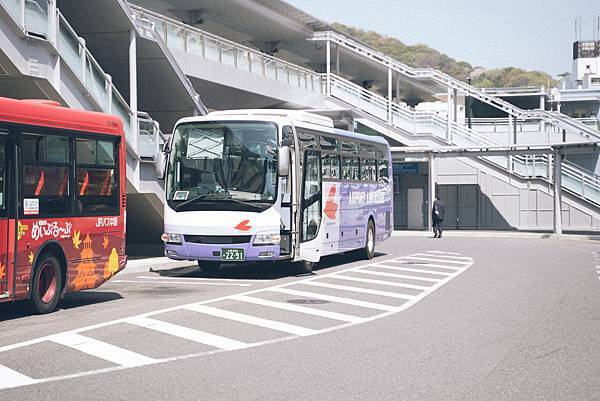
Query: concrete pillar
{"points": [[557, 191], [133, 92], [398, 90], [451, 117], [432, 180], [52, 22], [337, 60], [328, 69], [389, 95]]}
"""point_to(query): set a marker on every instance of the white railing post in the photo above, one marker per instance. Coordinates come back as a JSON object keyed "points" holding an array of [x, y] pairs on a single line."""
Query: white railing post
{"points": [[389, 96], [52, 23], [328, 69], [22, 14], [83, 55], [557, 192]]}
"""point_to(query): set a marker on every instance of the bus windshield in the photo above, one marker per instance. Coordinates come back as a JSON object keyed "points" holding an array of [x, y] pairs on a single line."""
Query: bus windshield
{"points": [[223, 162]]}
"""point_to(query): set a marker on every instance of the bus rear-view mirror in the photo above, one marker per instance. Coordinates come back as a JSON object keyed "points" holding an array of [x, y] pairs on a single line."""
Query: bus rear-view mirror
{"points": [[283, 161]]}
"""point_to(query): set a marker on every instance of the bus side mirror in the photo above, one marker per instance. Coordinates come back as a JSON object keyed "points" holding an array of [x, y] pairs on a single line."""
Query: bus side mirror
{"points": [[283, 161], [161, 166]]}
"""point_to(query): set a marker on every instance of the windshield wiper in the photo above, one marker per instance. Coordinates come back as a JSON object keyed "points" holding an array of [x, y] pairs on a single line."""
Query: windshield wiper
{"points": [[245, 203], [195, 199]]}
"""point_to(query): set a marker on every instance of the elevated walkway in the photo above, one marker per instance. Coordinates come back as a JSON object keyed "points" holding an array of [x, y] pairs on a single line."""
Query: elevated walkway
{"points": [[43, 57]]}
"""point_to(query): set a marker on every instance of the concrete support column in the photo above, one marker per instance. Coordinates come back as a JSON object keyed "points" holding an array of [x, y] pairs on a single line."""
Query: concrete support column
{"points": [[432, 180], [557, 167], [328, 69], [389, 95], [337, 60], [451, 117], [52, 22], [133, 92], [398, 90]]}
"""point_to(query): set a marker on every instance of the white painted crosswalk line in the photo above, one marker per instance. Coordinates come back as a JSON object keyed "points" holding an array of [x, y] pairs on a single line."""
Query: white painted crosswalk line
{"points": [[444, 253], [408, 262], [187, 333], [432, 259], [383, 274], [10, 378], [102, 350], [299, 309], [256, 321], [341, 300], [379, 282], [410, 269], [359, 289]]}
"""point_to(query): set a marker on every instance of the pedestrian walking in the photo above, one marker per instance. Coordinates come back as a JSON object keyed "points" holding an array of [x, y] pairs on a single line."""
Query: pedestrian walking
{"points": [[437, 216]]}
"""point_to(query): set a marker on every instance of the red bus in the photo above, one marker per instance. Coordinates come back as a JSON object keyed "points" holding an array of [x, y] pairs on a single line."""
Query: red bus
{"points": [[62, 201]]}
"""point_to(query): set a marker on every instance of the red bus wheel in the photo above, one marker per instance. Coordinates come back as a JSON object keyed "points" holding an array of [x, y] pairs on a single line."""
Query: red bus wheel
{"points": [[47, 285]]}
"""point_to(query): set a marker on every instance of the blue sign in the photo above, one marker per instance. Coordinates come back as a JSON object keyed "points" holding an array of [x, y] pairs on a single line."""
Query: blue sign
{"points": [[406, 168]]}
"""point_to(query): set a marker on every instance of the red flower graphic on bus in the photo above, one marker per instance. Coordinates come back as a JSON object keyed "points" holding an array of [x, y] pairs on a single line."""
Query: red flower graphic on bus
{"points": [[243, 226], [330, 206]]}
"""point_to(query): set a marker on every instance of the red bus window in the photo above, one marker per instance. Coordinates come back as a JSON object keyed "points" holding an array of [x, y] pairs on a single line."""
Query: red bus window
{"points": [[97, 191]]}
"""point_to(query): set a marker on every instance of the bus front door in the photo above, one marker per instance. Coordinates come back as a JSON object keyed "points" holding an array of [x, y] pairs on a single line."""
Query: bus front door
{"points": [[4, 223], [310, 234]]}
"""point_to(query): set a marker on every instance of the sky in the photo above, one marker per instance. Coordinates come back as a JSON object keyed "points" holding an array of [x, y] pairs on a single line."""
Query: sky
{"points": [[531, 34]]}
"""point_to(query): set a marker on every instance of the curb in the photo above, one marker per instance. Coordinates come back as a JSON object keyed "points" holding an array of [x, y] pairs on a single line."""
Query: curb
{"points": [[500, 234], [153, 264]]}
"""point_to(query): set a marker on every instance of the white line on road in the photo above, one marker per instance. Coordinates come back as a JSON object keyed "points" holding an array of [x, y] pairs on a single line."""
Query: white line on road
{"points": [[444, 253], [179, 282], [445, 256], [10, 378], [382, 274], [380, 282], [256, 321], [438, 260], [299, 309], [410, 269], [332, 298], [406, 262], [187, 333], [195, 278], [359, 289], [102, 350]]}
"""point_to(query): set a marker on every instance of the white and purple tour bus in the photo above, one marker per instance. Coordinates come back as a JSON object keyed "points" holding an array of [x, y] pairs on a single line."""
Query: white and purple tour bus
{"points": [[274, 185]]}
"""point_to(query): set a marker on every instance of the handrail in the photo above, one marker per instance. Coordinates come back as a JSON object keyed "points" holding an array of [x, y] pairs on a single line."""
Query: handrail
{"points": [[265, 59], [145, 24], [448, 81]]}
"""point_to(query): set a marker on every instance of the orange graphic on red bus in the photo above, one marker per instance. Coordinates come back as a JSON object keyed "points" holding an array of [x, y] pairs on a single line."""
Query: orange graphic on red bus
{"points": [[243, 226]]}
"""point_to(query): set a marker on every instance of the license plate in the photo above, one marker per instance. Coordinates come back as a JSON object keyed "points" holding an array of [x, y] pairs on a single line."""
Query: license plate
{"points": [[232, 254]]}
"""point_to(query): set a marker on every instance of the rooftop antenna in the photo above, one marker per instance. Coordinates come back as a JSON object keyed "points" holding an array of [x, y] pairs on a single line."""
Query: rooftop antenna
{"points": [[578, 29]]}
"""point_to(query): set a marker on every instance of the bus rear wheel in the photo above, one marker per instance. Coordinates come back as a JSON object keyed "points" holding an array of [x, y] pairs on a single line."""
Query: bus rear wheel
{"points": [[369, 250], [211, 268], [47, 285]]}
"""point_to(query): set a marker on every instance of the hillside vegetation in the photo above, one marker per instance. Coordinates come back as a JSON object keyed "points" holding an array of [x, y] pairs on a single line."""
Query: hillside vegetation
{"points": [[421, 55]]}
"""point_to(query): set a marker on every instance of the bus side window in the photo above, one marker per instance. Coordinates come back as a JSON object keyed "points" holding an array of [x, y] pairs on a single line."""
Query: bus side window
{"points": [[331, 166], [46, 171], [368, 169], [97, 183], [383, 168]]}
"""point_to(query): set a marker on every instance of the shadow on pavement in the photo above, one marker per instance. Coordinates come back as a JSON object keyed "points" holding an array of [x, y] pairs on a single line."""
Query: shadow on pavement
{"points": [[20, 309], [260, 271]]}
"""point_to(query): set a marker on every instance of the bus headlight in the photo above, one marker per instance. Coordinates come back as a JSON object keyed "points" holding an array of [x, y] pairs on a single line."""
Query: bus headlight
{"points": [[169, 238], [267, 239]]}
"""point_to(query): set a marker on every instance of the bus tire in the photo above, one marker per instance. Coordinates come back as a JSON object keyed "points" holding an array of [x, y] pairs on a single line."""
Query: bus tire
{"points": [[305, 267], [47, 285], [209, 267], [369, 250]]}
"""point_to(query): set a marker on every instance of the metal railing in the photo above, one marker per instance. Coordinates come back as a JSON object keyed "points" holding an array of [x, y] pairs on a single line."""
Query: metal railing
{"points": [[41, 19], [560, 121], [582, 183], [198, 43]]}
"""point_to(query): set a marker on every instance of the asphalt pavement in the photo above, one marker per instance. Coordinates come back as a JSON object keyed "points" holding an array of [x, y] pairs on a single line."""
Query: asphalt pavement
{"points": [[459, 318]]}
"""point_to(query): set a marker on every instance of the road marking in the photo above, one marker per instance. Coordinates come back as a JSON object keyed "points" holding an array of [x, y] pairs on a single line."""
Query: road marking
{"points": [[10, 378], [332, 298], [100, 349], [437, 260], [444, 253], [410, 269], [445, 256], [187, 333], [256, 321], [359, 289], [178, 282], [299, 309], [381, 282], [382, 274], [406, 262]]}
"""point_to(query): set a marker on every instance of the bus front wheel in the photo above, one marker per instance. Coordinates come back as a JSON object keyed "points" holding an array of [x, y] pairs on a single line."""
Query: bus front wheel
{"points": [[209, 267], [47, 285], [305, 267]]}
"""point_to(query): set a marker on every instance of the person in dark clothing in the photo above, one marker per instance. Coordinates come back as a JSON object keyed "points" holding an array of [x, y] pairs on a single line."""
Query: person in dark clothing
{"points": [[437, 216]]}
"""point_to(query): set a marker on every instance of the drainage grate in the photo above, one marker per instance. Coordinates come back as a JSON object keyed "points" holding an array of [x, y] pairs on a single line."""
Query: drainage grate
{"points": [[308, 301]]}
